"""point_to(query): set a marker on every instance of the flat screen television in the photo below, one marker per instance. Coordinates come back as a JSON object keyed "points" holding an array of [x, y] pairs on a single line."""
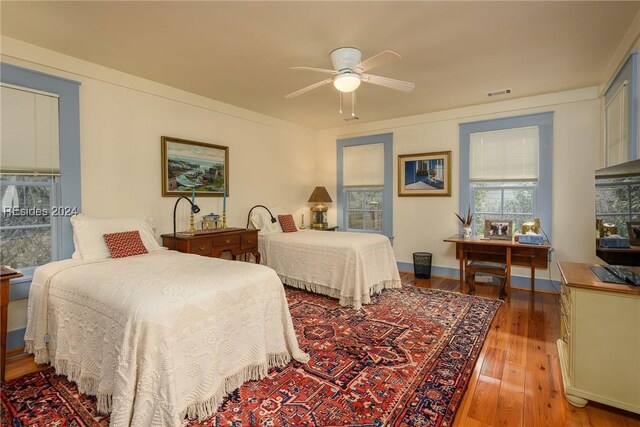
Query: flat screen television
{"points": [[618, 211]]}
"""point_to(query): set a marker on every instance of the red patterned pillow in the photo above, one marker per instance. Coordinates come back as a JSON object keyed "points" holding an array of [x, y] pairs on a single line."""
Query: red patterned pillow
{"points": [[124, 244], [287, 223]]}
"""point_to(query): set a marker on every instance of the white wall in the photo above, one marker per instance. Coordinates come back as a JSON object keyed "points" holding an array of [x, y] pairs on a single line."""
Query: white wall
{"points": [[421, 223], [122, 118]]}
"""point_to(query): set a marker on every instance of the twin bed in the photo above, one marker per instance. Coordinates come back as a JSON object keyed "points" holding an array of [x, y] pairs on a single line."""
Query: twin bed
{"points": [[161, 336], [351, 267]]}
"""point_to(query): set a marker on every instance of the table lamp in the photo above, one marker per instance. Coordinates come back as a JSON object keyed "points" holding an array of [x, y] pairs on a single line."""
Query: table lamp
{"points": [[319, 197]]}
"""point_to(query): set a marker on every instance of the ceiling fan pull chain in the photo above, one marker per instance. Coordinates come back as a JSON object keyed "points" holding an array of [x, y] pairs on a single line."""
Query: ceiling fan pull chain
{"points": [[353, 104], [340, 102]]}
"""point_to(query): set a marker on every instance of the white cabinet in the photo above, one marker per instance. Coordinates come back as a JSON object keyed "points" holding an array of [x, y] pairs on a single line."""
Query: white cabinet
{"points": [[599, 345]]}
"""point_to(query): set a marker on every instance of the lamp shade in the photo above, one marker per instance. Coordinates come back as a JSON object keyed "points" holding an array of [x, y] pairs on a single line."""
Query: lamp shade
{"points": [[320, 195]]}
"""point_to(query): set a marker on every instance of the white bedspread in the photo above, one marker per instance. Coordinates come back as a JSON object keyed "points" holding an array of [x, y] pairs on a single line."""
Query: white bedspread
{"points": [[348, 266], [161, 336]]}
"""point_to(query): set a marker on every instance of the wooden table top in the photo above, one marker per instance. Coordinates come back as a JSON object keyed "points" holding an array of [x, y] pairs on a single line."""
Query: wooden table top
{"points": [[493, 242], [580, 275]]}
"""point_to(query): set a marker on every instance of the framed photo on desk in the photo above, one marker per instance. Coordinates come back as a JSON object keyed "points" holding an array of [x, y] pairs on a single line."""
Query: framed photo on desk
{"points": [[498, 229]]}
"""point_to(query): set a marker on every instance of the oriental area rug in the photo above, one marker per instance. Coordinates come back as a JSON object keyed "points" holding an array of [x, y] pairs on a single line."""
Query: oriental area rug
{"points": [[404, 360]]}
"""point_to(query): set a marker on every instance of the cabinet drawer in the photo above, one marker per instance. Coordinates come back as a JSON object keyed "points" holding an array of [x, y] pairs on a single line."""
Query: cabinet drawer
{"points": [[226, 240], [200, 247], [249, 240]]}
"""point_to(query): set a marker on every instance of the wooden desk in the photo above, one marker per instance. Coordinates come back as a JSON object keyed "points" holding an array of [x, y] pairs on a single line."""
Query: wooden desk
{"points": [[5, 280], [212, 244], [503, 251]]}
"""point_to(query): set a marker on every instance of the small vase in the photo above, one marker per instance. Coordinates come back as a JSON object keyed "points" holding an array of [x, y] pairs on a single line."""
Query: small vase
{"points": [[466, 232]]}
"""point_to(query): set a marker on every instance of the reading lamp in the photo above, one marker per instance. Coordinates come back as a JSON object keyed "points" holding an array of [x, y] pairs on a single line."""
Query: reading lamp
{"points": [[273, 220], [194, 209], [319, 196]]}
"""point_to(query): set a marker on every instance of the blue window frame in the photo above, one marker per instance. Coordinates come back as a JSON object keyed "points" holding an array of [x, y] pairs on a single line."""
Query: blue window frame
{"points": [[541, 191], [69, 127], [366, 209], [67, 193]]}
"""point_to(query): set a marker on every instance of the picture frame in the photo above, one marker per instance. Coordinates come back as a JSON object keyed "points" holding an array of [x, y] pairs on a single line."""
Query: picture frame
{"points": [[424, 174], [191, 164], [633, 227], [500, 229]]}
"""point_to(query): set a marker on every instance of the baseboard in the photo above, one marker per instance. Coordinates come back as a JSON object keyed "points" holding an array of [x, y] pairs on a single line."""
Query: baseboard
{"points": [[517, 282], [15, 339]]}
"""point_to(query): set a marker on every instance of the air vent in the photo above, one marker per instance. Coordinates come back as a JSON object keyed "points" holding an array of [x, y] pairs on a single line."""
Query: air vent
{"points": [[499, 92]]}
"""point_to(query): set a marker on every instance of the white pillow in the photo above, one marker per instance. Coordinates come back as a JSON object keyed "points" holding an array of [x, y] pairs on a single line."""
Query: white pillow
{"points": [[88, 235], [261, 220]]}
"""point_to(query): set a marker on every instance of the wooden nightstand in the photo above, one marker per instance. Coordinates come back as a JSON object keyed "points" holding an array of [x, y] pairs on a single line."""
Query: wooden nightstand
{"points": [[213, 243], [5, 281], [334, 228]]}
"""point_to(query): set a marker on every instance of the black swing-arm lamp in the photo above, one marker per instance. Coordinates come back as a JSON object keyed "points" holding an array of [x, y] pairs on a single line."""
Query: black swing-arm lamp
{"points": [[273, 220], [194, 208]]}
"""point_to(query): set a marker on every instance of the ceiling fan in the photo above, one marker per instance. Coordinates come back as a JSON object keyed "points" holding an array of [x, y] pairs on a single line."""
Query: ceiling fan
{"points": [[349, 71]]}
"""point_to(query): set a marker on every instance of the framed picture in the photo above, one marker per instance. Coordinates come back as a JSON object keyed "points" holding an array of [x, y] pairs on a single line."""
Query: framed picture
{"points": [[498, 229], [189, 165], [634, 232], [424, 174]]}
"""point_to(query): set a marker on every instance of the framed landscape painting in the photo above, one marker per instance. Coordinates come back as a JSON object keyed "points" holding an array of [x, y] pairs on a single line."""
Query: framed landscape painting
{"points": [[424, 174], [189, 166]]}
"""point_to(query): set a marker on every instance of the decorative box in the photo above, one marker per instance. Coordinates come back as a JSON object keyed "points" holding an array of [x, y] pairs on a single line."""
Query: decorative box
{"points": [[613, 242], [531, 239]]}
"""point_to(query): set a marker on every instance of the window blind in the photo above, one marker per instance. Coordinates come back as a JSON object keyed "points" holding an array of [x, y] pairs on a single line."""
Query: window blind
{"points": [[504, 155], [363, 165], [29, 132], [616, 127]]}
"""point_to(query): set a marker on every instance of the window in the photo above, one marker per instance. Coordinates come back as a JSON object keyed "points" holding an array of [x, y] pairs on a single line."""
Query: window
{"points": [[364, 184], [40, 138], [27, 230], [505, 170], [620, 115], [511, 201], [618, 201], [364, 208]]}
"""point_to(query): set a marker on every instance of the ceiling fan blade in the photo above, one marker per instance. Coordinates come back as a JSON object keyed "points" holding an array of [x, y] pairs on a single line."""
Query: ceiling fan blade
{"points": [[308, 88], [320, 70], [387, 82], [379, 59]]}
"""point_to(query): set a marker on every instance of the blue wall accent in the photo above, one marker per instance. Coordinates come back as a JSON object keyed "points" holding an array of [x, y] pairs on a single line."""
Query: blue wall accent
{"points": [[524, 282], [544, 193], [387, 193], [628, 72], [15, 338], [70, 190]]}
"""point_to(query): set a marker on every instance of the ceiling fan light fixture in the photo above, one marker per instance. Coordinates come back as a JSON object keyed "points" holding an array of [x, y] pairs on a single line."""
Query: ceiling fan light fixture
{"points": [[347, 82]]}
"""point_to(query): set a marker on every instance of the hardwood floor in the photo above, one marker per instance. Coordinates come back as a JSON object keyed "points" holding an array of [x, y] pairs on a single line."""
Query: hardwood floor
{"points": [[517, 380]]}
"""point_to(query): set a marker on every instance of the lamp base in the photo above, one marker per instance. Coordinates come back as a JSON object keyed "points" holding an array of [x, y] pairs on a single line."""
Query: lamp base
{"points": [[319, 217]]}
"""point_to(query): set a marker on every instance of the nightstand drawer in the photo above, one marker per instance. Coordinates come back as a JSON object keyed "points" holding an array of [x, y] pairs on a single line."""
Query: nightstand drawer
{"points": [[201, 247], [249, 240], [231, 240]]}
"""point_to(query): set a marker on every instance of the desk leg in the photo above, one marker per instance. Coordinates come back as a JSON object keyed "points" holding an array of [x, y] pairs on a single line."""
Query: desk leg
{"points": [[533, 276], [3, 329], [461, 257], [508, 273]]}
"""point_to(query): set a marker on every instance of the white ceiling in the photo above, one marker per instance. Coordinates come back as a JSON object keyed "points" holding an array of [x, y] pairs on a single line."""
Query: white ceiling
{"points": [[240, 52]]}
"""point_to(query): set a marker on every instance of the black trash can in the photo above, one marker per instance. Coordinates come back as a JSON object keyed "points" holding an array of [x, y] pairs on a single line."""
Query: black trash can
{"points": [[422, 265]]}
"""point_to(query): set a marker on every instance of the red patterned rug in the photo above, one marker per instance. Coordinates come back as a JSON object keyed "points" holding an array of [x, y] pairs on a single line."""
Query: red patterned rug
{"points": [[405, 360]]}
